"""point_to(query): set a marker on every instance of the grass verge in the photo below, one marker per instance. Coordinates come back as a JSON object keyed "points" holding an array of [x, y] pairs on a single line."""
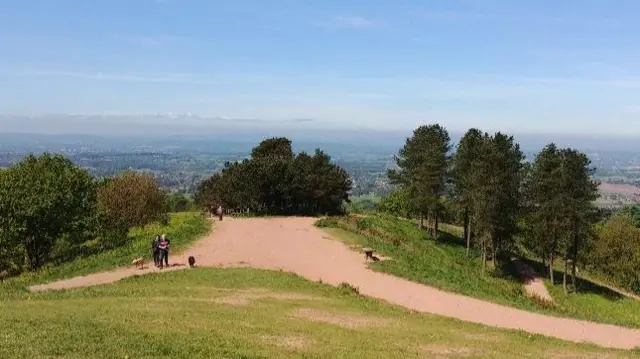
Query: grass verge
{"points": [[247, 313], [182, 229], [445, 265]]}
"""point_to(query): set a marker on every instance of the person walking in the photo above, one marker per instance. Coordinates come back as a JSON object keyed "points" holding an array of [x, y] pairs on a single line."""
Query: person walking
{"points": [[219, 212], [164, 251], [156, 250]]}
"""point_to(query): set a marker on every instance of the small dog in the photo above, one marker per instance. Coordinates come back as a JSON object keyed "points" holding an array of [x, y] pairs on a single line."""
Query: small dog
{"points": [[138, 262], [4, 275], [368, 253], [192, 261]]}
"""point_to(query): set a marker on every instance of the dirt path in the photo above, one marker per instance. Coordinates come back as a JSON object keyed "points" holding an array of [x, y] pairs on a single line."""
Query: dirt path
{"points": [[533, 284], [294, 244]]}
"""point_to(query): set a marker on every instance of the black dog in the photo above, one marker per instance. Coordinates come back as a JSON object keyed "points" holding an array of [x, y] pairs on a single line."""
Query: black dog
{"points": [[192, 261]]}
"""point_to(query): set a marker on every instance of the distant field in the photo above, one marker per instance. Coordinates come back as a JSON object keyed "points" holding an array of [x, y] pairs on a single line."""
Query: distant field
{"points": [[624, 189], [245, 313]]}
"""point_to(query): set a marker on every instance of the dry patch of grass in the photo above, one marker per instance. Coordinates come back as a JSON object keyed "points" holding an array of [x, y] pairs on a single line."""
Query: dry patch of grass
{"points": [[485, 338], [288, 342], [343, 320], [444, 351], [245, 297]]}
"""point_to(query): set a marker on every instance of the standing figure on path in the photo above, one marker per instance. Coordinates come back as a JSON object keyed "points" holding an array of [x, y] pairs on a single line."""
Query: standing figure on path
{"points": [[156, 250], [164, 251], [219, 212]]}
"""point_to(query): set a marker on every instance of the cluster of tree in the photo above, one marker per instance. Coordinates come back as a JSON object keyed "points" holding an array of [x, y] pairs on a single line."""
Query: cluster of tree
{"points": [[50, 208], [560, 211], [616, 251], [631, 211], [277, 181], [497, 194]]}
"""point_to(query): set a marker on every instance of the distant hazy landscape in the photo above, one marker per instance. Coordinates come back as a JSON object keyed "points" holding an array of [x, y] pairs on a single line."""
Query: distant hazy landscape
{"points": [[181, 150]]}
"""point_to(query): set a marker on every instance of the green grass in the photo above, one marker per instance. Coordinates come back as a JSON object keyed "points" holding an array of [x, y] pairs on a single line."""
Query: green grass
{"points": [[182, 229], [200, 313], [444, 264]]}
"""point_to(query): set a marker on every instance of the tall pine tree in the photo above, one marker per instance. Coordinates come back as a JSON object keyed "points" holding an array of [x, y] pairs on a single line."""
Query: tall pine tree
{"points": [[423, 164]]}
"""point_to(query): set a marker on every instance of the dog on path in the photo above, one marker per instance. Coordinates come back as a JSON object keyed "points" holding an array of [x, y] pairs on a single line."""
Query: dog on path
{"points": [[138, 262]]}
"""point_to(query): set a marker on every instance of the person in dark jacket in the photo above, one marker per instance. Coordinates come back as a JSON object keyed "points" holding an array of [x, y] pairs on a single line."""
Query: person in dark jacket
{"points": [[164, 251], [156, 250]]}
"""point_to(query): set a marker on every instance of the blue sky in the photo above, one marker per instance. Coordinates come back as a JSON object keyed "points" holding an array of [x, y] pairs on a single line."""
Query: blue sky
{"points": [[527, 66]]}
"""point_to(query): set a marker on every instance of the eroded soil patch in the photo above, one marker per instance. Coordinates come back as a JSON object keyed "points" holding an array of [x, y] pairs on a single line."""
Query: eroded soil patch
{"points": [[343, 320]]}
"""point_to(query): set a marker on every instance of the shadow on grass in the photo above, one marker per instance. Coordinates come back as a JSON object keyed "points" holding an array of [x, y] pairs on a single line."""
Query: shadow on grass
{"points": [[451, 240], [508, 270], [582, 285]]}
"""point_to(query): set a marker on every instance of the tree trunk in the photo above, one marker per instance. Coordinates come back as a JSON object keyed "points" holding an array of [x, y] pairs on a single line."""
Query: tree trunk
{"points": [[495, 257], [33, 257], [435, 227], [574, 260], [466, 224], [573, 275], [468, 236], [551, 268], [484, 255], [421, 221], [564, 274]]}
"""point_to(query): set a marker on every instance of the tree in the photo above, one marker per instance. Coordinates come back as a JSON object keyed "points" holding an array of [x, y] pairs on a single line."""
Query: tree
{"points": [[496, 195], [467, 153], [41, 199], [632, 211], [544, 192], [615, 253], [273, 148], [422, 168], [577, 195], [131, 200], [276, 181], [562, 211], [396, 204], [177, 202]]}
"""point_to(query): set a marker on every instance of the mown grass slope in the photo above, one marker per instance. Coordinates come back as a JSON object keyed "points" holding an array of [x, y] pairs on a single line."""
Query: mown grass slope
{"points": [[182, 229], [246, 313], [445, 265]]}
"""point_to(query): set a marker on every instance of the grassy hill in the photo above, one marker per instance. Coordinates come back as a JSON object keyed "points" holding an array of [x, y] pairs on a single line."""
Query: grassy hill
{"points": [[245, 313], [445, 265], [182, 229]]}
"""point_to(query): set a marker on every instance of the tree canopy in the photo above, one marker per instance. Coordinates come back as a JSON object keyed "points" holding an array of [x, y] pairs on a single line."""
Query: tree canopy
{"points": [[422, 168], [497, 194], [131, 199], [274, 180], [42, 198], [52, 211]]}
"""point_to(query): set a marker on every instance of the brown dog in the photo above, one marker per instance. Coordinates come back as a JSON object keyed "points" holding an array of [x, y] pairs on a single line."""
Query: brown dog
{"points": [[138, 262]]}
